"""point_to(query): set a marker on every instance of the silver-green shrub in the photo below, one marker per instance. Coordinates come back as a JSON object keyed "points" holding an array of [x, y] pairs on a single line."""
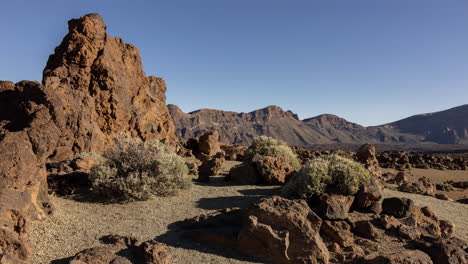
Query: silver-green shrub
{"points": [[311, 179], [135, 170], [267, 146], [347, 174], [331, 172]]}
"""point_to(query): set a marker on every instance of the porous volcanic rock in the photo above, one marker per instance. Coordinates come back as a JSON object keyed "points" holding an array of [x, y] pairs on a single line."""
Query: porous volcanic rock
{"points": [[403, 257], [277, 229], [94, 89], [211, 167], [423, 186], [366, 155], [103, 91], [397, 207], [274, 170], [285, 231]]}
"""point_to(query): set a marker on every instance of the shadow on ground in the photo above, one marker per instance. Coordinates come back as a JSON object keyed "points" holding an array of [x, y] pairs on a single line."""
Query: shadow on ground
{"points": [[249, 196]]}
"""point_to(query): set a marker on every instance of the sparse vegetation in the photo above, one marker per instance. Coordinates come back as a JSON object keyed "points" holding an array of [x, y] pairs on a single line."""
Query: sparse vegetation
{"points": [[332, 172], [267, 146], [135, 170]]}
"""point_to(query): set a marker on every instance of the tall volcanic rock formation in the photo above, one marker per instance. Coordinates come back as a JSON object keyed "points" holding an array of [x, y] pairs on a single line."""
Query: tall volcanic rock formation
{"points": [[94, 88], [103, 90]]}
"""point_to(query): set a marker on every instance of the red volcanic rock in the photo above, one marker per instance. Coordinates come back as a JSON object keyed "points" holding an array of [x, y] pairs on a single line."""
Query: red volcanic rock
{"points": [[274, 170], [94, 88], [102, 90], [284, 231]]}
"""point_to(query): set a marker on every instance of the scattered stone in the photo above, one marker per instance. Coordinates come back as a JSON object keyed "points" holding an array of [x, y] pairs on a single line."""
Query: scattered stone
{"points": [[409, 233], [401, 178], [332, 206], [366, 155], [211, 167], [366, 229], [337, 232], [368, 195], [443, 251], [402, 257], [274, 170], [244, 173], [208, 143], [423, 186], [442, 196], [398, 207], [284, 231]]}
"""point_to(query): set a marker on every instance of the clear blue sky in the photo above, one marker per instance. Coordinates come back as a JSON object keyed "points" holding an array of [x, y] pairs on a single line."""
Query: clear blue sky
{"points": [[371, 62]]}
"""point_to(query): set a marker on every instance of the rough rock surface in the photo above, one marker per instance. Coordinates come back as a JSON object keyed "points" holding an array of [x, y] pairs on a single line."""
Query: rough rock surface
{"points": [[404, 257], [211, 167], [284, 231], [280, 230], [94, 88], [366, 155], [397, 207], [332, 206], [423, 186], [103, 91], [274, 170]]}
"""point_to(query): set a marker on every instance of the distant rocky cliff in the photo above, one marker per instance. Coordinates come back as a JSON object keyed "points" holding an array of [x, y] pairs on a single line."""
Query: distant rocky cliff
{"points": [[445, 127]]}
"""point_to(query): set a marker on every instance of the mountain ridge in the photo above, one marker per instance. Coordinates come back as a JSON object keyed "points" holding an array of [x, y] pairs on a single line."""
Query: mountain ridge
{"points": [[443, 127]]}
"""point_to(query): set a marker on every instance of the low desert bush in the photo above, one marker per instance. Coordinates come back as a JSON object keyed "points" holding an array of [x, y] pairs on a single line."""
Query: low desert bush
{"points": [[267, 146], [135, 170], [327, 173]]}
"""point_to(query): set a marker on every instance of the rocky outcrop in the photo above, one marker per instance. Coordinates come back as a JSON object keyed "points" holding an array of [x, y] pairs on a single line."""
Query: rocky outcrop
{"points": [[102, 90], [277, 229], [423, 186], [148, 252], [366, 155], [211, 167], [274, 170], [94, 88], [445, 127]]}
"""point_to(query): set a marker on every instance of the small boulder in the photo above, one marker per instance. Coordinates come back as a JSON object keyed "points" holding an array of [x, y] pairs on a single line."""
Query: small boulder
{"points": [[337, 232], [402, 257], [244, 173], [423, 186], [274, 170], [332, 206], [368, 195], [398, 207], [366, 229], [443, 251], [211, 167], [208, 143]]}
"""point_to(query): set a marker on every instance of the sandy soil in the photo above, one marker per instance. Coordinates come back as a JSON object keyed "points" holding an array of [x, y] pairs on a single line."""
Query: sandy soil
{"points": [[77, 225], [439, 176], [455, 212]]}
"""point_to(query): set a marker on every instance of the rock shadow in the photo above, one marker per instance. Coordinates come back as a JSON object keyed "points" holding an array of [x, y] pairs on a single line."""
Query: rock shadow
{"points": [[249, 197], [185, 234]]}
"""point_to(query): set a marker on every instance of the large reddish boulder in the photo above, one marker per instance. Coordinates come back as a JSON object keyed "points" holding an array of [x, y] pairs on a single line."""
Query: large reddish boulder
{"points": [[103, 91], [208, 143], [366, 155], [284, 231], [274, 170], [94, 88]]}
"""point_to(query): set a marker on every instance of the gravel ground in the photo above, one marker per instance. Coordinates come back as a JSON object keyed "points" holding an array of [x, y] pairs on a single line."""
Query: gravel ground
{"points": [[79, 225], [455, 212]]}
